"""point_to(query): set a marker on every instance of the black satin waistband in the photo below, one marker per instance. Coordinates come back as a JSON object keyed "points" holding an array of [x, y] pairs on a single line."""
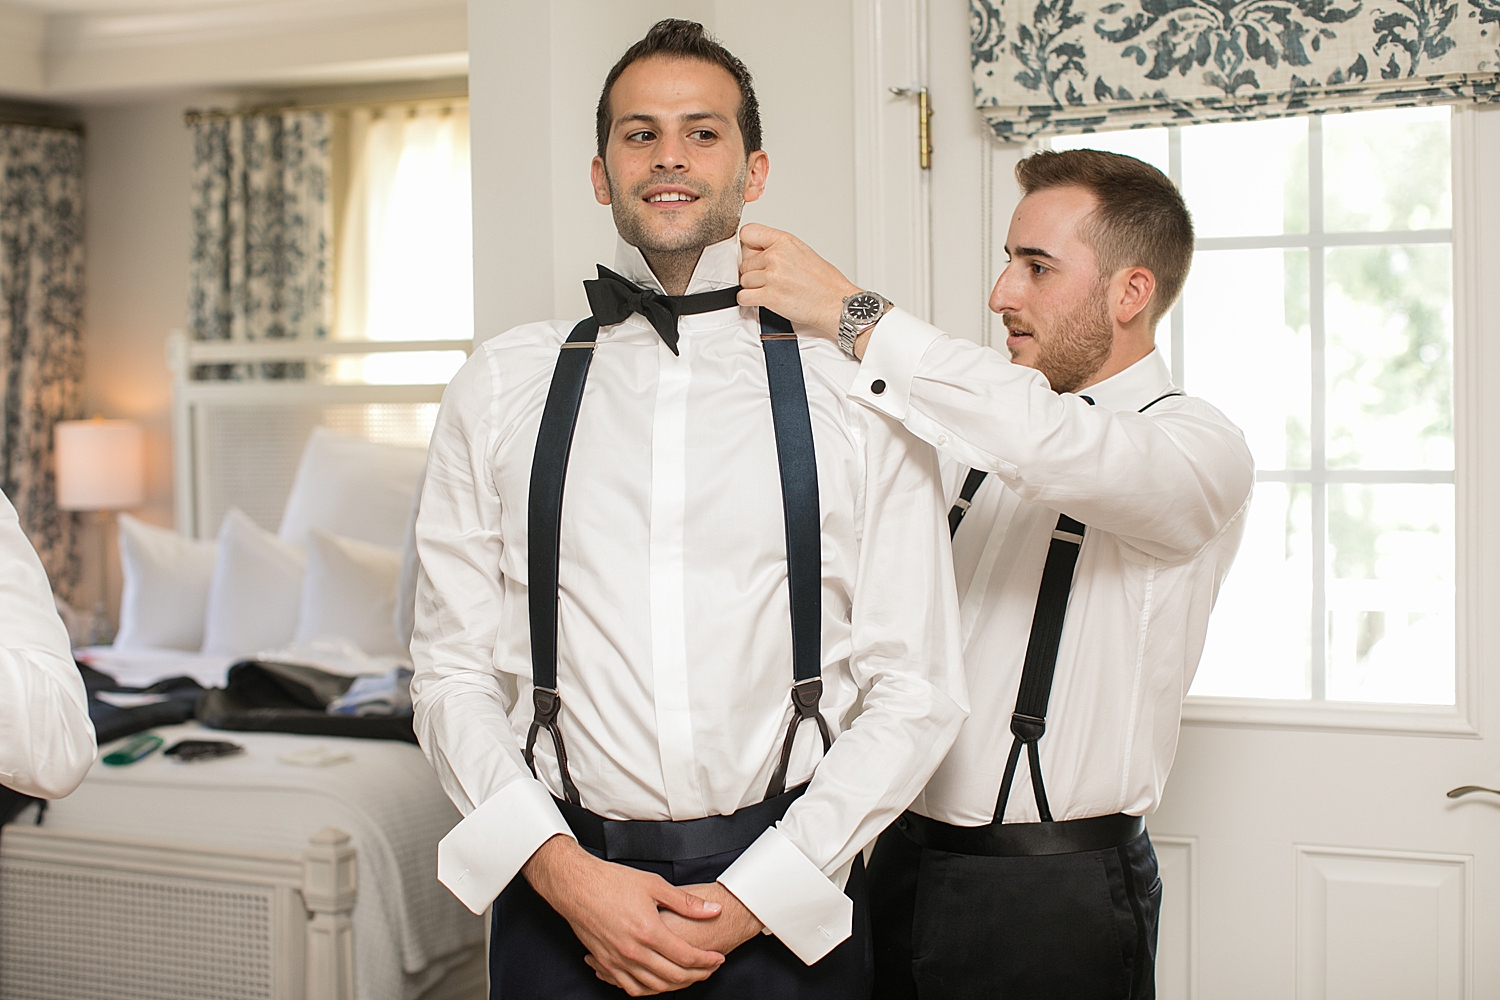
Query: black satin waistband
{"points": [[665, 840], [1023, 840]]}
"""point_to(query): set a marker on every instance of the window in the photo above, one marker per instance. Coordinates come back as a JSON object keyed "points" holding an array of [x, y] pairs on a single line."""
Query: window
{"points": [[404, 267], [1319, 317]]}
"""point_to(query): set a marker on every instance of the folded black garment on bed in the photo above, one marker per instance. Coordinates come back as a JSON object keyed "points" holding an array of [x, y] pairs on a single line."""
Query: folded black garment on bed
{"points": [[178, 697], [268, 697]]}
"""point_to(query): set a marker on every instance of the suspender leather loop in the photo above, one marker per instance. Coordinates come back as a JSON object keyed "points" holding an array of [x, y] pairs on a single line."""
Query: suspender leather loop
{"points": [[797, 462], [805, 698]]}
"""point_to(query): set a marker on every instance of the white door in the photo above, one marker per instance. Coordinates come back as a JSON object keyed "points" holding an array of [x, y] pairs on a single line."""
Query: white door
{"points": [[1344, 309]]}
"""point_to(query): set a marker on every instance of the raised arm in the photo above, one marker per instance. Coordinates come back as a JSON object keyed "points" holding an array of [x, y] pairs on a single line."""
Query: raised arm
{"points": [[1166, 483]]}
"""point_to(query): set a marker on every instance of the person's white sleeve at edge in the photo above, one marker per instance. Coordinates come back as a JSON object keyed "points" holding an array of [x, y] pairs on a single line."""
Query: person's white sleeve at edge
{"points": [[459, 701], [46, 739], [1166, 483], [907, 658]]}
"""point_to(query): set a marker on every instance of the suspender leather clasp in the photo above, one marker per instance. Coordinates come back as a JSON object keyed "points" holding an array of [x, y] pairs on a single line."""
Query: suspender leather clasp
{"points": [[546, 702], [1027, 728], [805, 698], [806, 695]]}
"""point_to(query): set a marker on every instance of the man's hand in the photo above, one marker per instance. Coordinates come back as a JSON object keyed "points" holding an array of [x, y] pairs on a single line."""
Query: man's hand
{"points": [[783, 274], [731, 928], [617, 912]]}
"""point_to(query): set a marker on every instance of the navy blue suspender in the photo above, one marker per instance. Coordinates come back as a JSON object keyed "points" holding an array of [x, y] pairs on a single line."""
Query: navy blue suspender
{"points": [[799, 491]]}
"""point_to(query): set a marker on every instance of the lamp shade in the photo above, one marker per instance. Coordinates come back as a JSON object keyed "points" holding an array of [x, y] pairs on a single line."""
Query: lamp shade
{"points": [[100, 465]]}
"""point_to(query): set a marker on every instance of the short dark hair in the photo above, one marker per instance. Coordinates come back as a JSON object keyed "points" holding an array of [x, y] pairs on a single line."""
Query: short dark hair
{"points": [[1141, 220], [677, 39]]}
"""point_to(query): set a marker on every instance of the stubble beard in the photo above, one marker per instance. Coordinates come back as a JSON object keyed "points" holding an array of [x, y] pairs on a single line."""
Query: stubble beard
{"points": [[1072, 350], [718, 222]]}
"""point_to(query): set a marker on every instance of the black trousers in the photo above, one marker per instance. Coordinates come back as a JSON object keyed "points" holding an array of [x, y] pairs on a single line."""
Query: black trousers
{"points": [[534, 954], [1061, 927]]}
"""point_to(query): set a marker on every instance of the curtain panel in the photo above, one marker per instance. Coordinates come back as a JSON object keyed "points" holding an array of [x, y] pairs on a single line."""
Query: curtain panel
{"points": [[41, 309], [262, 246], [1065, 66]]}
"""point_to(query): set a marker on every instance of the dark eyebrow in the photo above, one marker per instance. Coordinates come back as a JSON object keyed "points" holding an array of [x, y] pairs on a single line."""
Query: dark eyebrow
{"points": [[637, 117], [694, 116], [1029, 252]]}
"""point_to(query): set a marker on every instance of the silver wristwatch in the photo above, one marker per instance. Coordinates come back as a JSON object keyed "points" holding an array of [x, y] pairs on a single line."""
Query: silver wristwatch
{"points": [[862, 310]]}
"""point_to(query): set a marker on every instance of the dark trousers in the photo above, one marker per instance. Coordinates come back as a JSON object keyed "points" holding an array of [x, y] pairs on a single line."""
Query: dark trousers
{"points": [[534, 954], [1061, 927]]}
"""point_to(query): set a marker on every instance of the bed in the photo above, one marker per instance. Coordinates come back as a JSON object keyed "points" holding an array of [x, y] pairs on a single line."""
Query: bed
{"points": [[302, 869]]}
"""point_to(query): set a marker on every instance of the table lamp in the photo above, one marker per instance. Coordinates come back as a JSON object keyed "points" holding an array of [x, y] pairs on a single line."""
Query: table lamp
{"points": [[100, 468]]}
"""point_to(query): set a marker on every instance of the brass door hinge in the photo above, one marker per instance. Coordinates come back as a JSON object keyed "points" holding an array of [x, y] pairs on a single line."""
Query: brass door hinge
{"points": [[924, 122]]}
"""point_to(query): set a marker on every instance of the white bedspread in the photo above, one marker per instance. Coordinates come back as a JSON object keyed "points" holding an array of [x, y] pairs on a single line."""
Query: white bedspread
{"points": [[408, 929]]}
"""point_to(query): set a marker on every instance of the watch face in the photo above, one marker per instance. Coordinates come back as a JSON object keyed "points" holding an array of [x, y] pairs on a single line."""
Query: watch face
{"points": [[863, 308]]}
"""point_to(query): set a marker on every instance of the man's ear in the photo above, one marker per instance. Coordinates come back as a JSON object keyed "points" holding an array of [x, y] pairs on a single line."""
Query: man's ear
{"points": [[600, 181], [757, 166], [1133, 288]]}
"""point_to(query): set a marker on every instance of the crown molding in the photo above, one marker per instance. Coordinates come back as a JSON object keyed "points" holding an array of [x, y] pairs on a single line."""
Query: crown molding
{"points": [[96, 54]]}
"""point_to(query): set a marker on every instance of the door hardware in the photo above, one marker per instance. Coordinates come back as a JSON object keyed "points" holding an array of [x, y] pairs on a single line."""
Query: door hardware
{"points": [[924, 123], [1462, 790]]}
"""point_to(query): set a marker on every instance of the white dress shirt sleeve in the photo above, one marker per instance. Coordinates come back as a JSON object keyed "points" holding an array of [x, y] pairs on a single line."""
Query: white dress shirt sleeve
{"points": [[461, 703], [906, 657], [1167, 483], [46, 739]]}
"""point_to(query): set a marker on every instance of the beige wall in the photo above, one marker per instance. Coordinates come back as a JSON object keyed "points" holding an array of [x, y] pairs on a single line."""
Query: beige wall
{"points": [[538, 230], [137, 172]]}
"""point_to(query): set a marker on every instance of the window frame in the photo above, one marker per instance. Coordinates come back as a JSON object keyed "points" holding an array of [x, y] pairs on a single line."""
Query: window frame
{"points": [[1460, 719]]}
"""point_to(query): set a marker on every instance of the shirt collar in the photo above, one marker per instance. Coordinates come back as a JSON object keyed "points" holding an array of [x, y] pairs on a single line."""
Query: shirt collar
{"points": [[718, 267], [1146, 380]]}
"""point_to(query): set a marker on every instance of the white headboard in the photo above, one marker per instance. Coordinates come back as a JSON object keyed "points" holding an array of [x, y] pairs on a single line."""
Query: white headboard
{"points": [[237, 443]]}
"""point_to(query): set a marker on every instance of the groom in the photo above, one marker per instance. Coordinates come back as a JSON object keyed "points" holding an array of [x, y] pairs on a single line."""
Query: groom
{"points": [[641, 690]]}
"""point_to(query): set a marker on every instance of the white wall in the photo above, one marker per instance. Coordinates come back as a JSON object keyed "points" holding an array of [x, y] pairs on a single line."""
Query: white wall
{"points": [[535, 71]]}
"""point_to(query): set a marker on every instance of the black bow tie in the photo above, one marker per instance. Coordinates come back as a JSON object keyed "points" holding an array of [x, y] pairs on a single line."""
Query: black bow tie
{"points": [[613, 298]]}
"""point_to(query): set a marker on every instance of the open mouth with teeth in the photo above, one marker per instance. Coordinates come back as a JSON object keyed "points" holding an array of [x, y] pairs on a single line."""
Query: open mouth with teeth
{"points": [[671, 198]]}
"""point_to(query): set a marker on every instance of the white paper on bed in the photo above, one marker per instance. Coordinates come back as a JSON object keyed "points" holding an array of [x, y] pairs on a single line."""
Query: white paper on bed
{"points": [[386, 798], [165, 596]]}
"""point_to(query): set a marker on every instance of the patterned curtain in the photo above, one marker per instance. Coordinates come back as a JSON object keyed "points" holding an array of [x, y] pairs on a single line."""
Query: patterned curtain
{"points": [[41, 308], [262, 219], [1058, 66]]}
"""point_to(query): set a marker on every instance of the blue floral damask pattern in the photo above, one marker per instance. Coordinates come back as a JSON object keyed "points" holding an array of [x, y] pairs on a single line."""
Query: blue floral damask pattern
{"points": [[262, 223], [1060, 66], [41, 310]]}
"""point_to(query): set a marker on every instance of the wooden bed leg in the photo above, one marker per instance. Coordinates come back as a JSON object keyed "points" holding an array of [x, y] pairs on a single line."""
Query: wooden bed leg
{"points": [[330, 882]]}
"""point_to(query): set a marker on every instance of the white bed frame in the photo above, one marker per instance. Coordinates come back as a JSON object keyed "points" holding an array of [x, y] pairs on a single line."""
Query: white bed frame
{"points": [[198, 921]]}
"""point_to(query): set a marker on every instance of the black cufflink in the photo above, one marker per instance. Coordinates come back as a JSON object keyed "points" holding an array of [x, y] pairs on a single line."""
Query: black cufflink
{"points": [[877, 386]]}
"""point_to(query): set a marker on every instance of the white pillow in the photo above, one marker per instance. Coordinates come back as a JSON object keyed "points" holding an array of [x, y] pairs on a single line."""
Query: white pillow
{"points": [[165, 596], [353, 488], [349, 592], [256, 591]]}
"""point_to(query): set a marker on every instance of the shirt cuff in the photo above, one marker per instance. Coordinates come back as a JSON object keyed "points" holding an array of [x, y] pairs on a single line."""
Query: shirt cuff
{"points": [[791, 896], [484, 852], [892, 355]]}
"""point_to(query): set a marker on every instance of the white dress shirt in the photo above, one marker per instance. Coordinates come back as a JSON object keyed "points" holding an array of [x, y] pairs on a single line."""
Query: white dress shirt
{"points": [[46, 739], [1164, 495], [674, 642]]}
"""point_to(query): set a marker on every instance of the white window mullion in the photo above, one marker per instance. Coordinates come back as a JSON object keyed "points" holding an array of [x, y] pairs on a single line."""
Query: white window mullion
{"points": [[1178, 324], [1318, 634]]}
